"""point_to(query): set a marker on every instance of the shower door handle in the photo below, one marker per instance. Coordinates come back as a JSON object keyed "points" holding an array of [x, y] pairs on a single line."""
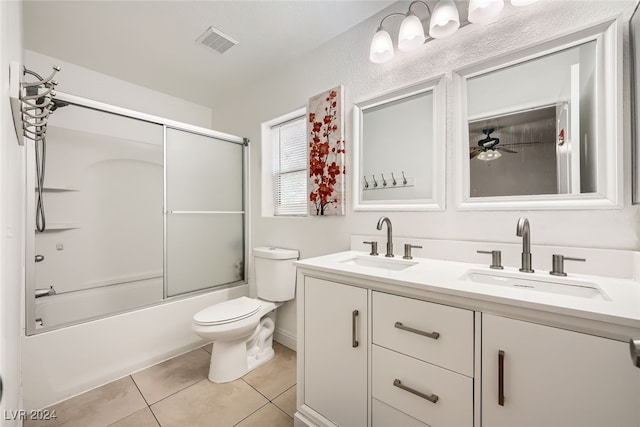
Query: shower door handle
{"points": [[354, 328]]}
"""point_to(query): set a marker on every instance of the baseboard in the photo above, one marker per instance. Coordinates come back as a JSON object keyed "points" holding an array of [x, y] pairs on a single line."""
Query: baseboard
{"points": [[285, 338]]}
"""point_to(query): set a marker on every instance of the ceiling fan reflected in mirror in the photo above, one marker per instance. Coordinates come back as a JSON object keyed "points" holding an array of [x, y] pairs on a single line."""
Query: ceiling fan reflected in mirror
{"points": [[488, 147]]}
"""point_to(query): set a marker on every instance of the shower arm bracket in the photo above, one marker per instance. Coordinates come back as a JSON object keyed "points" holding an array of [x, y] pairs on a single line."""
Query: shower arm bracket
{"points": [[15, 71]]}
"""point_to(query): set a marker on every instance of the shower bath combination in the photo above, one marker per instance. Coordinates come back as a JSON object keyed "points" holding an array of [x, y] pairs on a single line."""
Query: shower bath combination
{"points": [[109, 170]]}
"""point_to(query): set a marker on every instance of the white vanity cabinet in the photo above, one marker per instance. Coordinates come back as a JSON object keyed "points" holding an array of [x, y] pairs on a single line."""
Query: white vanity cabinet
{"points": [[375, 359], [336, 351], [422, 360], [534, 375], [373, 353]]}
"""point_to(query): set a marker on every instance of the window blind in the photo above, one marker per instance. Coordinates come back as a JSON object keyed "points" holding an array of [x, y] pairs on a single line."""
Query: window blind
{"points": [[289, 144]]}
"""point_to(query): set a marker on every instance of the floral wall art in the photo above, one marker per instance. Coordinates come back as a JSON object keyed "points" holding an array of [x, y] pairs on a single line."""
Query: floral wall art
{"points": [[325, 130]]}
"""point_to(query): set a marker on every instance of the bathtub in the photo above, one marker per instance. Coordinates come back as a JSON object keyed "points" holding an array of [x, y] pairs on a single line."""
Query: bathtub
{"points": [[64, 362], [74, 307]]}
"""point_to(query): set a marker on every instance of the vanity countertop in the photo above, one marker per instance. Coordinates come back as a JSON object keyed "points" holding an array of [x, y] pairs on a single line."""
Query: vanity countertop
{"points": [[619, 303]]}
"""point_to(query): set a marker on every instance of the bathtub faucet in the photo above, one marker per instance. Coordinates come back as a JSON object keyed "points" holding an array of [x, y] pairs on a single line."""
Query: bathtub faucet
{"points": [[45, 292]]}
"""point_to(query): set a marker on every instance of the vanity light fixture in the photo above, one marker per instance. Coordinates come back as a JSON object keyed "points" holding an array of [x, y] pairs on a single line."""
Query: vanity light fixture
{"points": [[443, 22], [484, 11]]}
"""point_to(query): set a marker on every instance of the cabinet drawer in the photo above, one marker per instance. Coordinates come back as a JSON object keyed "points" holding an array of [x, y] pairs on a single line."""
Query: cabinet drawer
{"points": [[454, 405], [453, 347], [384, 415]]}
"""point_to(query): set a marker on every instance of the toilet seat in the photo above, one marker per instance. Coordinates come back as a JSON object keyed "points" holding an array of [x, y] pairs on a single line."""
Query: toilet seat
{"points": [[227, 312]]}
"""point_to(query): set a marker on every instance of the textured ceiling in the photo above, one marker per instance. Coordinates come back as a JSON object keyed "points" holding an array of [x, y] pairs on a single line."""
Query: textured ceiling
{"points": [[152, 43]]}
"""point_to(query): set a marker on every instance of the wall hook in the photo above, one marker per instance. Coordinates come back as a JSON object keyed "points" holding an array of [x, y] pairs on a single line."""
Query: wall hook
{"points": [[393, 179], [384, 181], [375, 183], [404, 179], [366, 183]]}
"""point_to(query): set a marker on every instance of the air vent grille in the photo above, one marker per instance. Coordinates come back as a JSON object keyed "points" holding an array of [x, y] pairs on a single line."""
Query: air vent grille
{"points": [[216, 40]]}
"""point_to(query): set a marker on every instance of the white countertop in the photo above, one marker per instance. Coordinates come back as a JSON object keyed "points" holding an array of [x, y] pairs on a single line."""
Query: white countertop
{"points": [[621, 305]]}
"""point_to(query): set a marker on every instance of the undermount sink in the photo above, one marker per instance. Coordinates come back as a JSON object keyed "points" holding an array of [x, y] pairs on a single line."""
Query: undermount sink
{"points": [[383, 263], [550, 285]]}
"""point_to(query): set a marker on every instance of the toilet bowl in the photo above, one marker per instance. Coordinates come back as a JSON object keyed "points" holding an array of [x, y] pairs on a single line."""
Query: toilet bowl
{"points": [[241, 335], [242, 328]]}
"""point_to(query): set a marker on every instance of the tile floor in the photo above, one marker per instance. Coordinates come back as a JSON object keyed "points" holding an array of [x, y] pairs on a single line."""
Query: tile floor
{"points": [[177, 393]]}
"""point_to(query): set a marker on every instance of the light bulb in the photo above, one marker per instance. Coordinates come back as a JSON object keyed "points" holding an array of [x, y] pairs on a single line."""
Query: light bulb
{"points": [[483, 11], [411, 35], [381, 47], [444, 20], [487, 156]]}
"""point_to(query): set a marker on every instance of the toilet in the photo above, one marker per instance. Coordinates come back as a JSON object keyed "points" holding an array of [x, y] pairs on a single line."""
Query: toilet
{"points": [[242, 328]]}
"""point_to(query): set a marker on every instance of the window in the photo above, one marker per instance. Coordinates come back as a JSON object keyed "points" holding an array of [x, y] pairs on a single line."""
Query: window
{"points": [[288, 145]]}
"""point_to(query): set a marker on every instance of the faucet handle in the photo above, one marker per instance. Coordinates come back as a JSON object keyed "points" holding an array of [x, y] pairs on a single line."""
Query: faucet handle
{"points": [[557, 261], [374, 248], [407, 250], [496, 259]]}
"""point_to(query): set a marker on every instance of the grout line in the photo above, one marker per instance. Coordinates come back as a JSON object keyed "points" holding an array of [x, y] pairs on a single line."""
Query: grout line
{"points": [[257, 391], [139, 391], [134, 412], [145, 400], [178, 391], [252, 413]]}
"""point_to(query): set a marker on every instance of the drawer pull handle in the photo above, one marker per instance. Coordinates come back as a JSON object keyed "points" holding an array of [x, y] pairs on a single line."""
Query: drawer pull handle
{"points": [[354, 330], [430, 397], [501, 378], [434, 335]]}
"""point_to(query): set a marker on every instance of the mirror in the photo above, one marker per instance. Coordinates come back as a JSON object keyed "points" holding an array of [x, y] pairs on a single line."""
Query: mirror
{"points": [[400, 144], [541, 128]]}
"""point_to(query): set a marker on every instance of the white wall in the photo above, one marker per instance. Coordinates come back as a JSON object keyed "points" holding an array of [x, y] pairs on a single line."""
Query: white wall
{"points": [[11, 218], [344, 60], [80, 81]]}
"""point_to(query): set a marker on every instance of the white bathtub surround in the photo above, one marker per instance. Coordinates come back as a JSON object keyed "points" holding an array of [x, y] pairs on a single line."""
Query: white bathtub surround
{"points": [[68, 361]]}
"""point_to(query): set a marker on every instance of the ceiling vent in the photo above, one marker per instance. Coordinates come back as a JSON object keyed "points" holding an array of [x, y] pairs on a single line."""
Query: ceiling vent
{"points": [[216, 40]]}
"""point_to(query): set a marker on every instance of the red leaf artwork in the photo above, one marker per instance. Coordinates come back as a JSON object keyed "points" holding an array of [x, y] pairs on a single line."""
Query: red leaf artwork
{"points": [[326, 153]]}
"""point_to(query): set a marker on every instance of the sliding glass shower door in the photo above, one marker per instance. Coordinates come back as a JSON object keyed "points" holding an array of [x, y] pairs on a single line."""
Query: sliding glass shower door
{"points": [[204, 212]]}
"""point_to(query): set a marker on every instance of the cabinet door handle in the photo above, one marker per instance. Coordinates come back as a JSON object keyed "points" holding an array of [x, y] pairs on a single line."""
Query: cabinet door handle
{"points": [[433, 398], [354, 328], [501, 378], [434, 335]]}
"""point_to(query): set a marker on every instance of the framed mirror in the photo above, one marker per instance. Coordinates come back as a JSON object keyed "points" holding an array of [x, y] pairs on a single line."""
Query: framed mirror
{"points": [[542, 128], [399, 141]]}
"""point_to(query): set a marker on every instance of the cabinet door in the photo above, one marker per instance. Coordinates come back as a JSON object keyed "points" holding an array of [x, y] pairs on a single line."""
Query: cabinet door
{"points": [[553, 377], [335, 351]]}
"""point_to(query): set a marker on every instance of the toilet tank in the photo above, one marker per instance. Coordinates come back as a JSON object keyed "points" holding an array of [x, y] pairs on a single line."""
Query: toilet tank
{"points": [[275, 273]]}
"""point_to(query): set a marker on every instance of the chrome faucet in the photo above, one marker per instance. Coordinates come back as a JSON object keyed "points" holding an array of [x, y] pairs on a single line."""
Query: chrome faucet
{"points": [[43, 292], [381, 221], [523, 230]]}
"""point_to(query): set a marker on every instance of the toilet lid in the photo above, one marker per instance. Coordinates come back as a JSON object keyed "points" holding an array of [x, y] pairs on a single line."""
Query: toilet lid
{"points": [[227, 311]]}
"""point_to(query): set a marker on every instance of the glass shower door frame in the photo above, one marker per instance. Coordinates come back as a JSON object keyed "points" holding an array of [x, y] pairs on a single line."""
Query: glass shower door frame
{"points": [[245, 221], [29, 182]]}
